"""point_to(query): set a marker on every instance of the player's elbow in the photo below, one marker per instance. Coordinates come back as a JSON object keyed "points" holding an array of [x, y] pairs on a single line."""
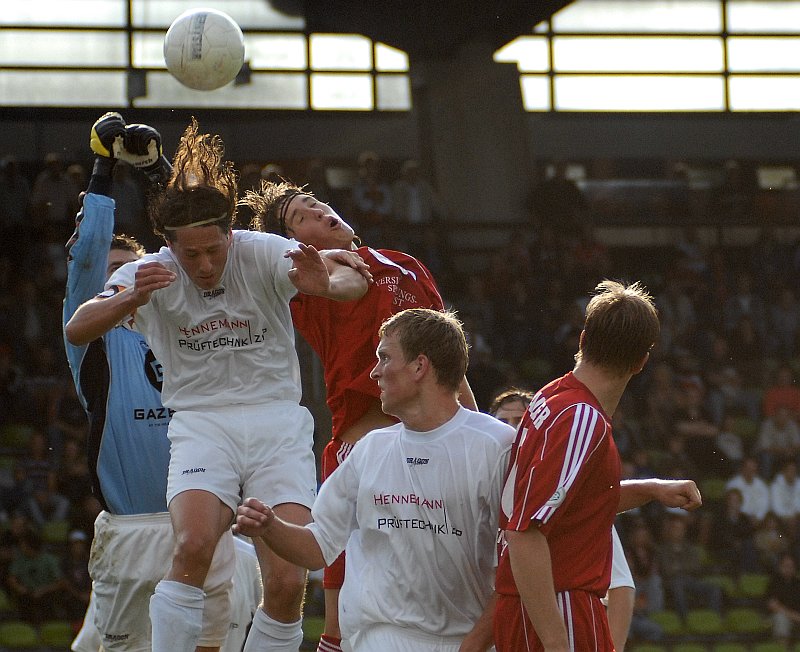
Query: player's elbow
{"points": [[76, 334], [315, 564], [316, 561], [349, 287], [313, 559], [360, 288]]}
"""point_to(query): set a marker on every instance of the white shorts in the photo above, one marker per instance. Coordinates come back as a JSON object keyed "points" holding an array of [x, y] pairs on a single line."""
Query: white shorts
{"points": [[264, 451], [129, 556], [620, 571], [246, 596], [392, 638], [88, 638]]}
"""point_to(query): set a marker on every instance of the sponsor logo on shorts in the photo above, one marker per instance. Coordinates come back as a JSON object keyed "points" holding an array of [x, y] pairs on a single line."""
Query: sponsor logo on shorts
{"points": [[414, 461], [557, 498], [198, 469], [115, 638]]}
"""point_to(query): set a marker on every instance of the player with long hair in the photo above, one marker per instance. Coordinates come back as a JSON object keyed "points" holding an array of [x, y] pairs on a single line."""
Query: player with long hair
{"points": [[214, 306]]}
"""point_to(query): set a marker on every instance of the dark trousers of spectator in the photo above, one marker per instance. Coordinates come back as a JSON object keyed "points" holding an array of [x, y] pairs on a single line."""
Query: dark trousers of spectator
{"points": [[38, 610], [685, 590]]}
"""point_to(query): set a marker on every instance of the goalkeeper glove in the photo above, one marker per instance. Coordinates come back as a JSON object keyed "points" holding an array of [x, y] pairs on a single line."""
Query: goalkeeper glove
{"points": [[140, 146], [107, 134], [143, 150]]}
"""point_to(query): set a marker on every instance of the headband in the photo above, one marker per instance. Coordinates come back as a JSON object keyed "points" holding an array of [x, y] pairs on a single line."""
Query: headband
{"points": [[284, 208], [210, 220]]}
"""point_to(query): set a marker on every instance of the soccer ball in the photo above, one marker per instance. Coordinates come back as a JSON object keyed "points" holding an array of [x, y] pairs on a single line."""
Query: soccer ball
{"points": [[204, 49]]}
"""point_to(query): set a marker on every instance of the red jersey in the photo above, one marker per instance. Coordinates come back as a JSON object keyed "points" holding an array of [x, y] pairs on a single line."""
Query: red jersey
{"points": [[564, 474], [344, 334]]}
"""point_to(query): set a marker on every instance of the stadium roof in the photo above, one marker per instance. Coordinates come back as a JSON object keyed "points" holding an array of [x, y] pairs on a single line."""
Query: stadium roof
{"points": [[429, 28]]}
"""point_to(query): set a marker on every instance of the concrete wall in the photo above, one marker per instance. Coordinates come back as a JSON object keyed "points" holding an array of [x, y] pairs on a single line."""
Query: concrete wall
{"points": [[249, 135], [711, 136]]}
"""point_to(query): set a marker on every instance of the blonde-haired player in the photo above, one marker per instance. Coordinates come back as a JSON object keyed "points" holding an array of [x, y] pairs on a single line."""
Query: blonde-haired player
{"points": [[415, 505]]}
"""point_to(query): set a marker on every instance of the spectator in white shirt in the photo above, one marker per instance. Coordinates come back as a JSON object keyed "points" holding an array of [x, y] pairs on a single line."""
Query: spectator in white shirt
{"points": [[778, 438], [755, 491], [784, 495]]}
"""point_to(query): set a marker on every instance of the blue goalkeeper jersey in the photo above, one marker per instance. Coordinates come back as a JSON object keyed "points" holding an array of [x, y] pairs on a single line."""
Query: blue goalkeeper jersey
{"points": [[118, 381]]}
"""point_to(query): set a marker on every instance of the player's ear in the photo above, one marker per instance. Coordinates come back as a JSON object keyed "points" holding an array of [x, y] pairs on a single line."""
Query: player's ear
{"points": [[637, 368]]}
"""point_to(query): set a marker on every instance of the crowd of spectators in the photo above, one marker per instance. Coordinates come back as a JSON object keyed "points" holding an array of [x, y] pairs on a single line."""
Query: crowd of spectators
{"points": [[718, 401]]}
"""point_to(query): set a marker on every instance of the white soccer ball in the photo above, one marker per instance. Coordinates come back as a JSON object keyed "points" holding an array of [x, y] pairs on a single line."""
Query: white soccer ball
{"points": [[204, 49]]}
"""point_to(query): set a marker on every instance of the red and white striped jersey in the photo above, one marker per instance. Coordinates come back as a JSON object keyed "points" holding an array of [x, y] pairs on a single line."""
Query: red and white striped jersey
{"points": [[564, 477]]}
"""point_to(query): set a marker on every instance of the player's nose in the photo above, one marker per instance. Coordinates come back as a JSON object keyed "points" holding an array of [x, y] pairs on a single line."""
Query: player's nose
{"points": [[205, 264]]}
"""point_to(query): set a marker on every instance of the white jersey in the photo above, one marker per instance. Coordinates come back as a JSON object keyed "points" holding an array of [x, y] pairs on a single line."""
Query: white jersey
{"points": [[233, 344], [417, 514]]}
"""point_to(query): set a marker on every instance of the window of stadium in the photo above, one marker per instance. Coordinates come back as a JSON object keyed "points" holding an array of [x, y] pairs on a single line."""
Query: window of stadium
{"points": [[662, 55], [89, 53]]}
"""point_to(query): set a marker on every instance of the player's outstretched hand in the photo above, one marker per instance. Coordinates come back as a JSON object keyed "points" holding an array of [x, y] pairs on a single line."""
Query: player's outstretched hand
{"points": [[309, 272], [679, 493], [107, 131], [253, 518], [350, 259], [149, 278]]}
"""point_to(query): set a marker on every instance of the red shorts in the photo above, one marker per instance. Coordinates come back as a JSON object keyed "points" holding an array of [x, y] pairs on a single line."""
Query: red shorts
{"points": [[334, 454], [584, 615]]}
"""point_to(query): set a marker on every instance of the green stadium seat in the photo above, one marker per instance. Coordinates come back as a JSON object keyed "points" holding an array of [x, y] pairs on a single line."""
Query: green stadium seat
{"points": [[689, 647], [753, 585], [537, 368], [647, 647], [55, 531], [768, 646], [744, 620], [7, 464], [730, 647], [746, 428], [18, 635], [669, 621], [704, 622], [727, 583], [713, 489], [6, 606], [56, 634], [15, 435]]}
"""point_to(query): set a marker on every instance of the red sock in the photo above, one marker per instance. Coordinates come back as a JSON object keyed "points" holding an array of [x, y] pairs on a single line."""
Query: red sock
{"points": [[329, 644]]}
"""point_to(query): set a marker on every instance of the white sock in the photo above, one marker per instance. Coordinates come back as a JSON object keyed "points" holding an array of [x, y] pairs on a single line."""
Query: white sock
{"points": [[176, 616], [267, 634]]}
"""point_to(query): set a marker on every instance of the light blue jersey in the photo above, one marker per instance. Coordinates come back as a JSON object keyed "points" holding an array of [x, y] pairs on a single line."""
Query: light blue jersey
{"points": [[118, 381]]}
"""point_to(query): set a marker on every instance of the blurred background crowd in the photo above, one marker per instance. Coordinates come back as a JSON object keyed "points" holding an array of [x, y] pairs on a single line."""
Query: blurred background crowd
{"points": [[717, 403]]}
